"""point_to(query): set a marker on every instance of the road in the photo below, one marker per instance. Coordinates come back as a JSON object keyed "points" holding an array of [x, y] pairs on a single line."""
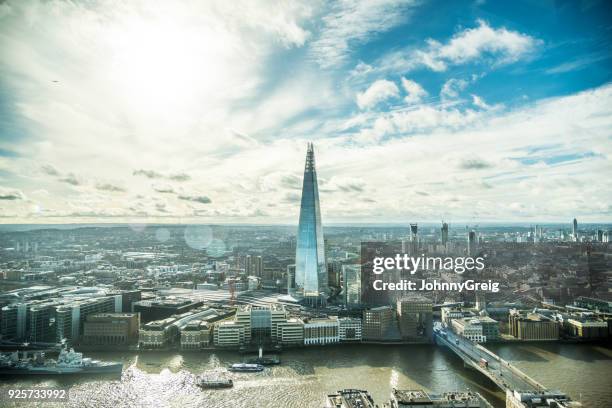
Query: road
{"points": [[498, 370]]}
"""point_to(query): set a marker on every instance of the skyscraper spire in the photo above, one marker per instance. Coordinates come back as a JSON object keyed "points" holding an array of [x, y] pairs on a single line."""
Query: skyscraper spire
{"points": [[310, 266]]}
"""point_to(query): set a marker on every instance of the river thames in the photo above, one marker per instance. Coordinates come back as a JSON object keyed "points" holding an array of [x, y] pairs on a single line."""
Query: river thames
{"points": [[167, 379]]}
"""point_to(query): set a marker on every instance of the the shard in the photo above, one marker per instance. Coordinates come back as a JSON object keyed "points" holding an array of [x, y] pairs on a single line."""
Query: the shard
{"points": [[310, 266]]}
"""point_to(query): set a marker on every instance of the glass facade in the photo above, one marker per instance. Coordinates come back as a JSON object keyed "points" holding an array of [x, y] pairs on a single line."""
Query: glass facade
{"points": [[310, 267]]}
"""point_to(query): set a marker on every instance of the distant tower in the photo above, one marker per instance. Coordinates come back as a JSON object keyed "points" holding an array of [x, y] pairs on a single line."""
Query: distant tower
{"points": [[472, 243], [575, 229], [310, 266], [444, 233], [414, 238]]}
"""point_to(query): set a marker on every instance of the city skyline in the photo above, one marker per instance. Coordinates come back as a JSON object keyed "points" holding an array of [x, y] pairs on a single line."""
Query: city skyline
{"points": [[157, 113]]}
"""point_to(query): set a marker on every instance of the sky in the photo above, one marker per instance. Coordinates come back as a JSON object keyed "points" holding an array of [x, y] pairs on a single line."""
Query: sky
{"points": [[200, 112]]}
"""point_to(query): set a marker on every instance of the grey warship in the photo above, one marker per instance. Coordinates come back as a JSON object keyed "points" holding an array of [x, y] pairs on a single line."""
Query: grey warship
{"points": [[68, 362]]}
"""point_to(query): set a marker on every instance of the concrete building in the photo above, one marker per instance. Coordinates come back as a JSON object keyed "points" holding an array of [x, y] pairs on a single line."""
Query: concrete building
{"points": [[449, 313], [229, 334], [260, 322], [111, 329], [70, 317], [291, 332], [532, 326], [321, 331], [349, 329], [587, 328], [158, 334], [470, 328], [377, 322], [159, 309], [196, 335], [351, 282], [40, 323], [415, 316]]}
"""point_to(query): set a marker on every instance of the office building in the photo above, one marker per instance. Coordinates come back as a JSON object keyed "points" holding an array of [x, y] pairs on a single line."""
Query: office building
{"points": [[13, 321], [472, 243], [111, 329], [377, 322], [349, 329], [291, 279], [291, 333], [159, 309], [70, 317], [158, 334], [575, 229], [321, 331], [587, 328], [229, 334], [260, 322], [310, 266], [40, 324], [415, 316], [444, 234], [254, 265], [532, 326], [351, 278], [195, 335]]}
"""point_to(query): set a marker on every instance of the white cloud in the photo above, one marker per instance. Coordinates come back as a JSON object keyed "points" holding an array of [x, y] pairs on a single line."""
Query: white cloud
{"points": [[483, 43], [452, 88], [379, 91], [415, 92], [352, 22], [479, 102]]}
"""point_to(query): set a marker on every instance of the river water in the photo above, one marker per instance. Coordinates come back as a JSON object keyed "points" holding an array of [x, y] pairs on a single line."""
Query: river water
{"points": [[305, 376]]}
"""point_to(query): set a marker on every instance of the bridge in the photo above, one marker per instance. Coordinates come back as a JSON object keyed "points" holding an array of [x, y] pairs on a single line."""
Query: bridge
{"points": [[501, 372]]}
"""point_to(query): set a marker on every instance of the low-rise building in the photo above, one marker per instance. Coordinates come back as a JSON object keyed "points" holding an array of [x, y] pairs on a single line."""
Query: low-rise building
{"points": [[349, 329], [587, 328], [321, 331], [196, 335], [377, 322], [480, 329], [111, 329], [158, 334], [532, 326], [229, 334], [291, 332]]}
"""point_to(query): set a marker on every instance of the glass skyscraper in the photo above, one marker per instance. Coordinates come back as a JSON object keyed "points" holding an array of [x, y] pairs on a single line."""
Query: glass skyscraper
{"points": [[310, 267]]}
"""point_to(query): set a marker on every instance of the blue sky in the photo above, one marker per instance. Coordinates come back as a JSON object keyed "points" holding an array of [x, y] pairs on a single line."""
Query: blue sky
{"points": [[200, 111]]}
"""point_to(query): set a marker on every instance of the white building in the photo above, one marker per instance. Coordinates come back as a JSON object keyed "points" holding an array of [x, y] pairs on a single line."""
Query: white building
{"points": [[321, 331], [229, 334]]}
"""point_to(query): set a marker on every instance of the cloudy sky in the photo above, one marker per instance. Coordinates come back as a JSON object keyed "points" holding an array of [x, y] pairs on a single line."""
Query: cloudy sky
{"points": [[173, 111]]}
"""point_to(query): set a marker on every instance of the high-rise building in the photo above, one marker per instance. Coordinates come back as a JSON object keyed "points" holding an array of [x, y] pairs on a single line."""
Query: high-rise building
{"points": [[472, 243], [444, 233], [414, 239], [254, 265], [351, 278], [291, 279], [575, 229], [310, 266]]}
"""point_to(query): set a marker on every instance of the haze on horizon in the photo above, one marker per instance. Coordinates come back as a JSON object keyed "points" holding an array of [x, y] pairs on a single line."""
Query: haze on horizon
{"points": [[199, 112]]}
